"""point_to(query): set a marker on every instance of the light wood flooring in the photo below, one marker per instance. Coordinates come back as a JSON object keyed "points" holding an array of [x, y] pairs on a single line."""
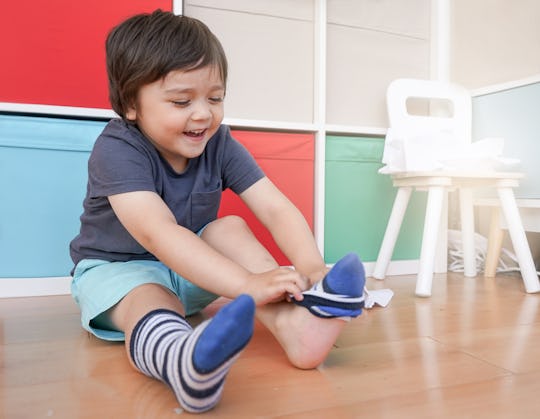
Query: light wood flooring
{"points": [[472, 350]]}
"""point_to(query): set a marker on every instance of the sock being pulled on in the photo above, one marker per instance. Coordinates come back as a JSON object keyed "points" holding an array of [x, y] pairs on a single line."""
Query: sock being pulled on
{"points": [[193, 362], [340, 293]]}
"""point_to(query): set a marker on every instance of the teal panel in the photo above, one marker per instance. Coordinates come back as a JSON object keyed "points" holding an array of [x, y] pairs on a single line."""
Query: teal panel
{"points": [[358, 202], [513, 115], [43, 172]]}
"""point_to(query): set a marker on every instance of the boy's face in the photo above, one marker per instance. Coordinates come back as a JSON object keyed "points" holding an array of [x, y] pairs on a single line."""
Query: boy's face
{"points": [[180, 113]]}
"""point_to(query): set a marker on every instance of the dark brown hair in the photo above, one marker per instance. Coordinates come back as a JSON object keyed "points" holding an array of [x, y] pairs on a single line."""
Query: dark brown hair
{"points": [[146, 47]]}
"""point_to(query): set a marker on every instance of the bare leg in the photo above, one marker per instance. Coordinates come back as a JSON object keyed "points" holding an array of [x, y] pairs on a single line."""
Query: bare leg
{"points": [[306, 339], [192, 362], [138, 303]]}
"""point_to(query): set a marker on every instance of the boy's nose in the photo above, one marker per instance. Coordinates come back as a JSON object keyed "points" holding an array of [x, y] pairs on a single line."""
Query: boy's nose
{"points": [[201, 111]]}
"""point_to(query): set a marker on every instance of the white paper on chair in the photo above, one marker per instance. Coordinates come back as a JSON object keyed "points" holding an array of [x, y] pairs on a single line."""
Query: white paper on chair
{"points": [[439, 150]]}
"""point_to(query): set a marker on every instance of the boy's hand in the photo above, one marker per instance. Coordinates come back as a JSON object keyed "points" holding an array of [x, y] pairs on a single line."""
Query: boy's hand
{"points": [[276, 285]]}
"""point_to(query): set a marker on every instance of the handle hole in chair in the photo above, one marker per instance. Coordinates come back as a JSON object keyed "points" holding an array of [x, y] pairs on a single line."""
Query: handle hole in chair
{"points": [[422, 106]]}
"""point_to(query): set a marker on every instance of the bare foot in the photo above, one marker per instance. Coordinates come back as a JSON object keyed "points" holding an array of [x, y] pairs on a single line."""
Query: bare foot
{"points": [[306, 339]]}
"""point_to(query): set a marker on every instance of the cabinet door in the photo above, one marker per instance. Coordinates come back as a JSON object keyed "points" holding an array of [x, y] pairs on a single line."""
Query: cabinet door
{"points": [[43, 165], [53, 52], [358, 202], [288, 161]]}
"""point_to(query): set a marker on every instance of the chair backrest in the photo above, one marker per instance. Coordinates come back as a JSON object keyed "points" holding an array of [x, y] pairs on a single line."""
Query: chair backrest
{"points": [[402, 93]]}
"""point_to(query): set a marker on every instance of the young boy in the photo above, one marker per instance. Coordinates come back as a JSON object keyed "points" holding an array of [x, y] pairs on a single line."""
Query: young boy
{"points": [[151, 249]]}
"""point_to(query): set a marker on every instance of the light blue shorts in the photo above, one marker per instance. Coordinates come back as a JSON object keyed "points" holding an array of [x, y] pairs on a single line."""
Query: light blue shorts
{"points": [[98, 285]]}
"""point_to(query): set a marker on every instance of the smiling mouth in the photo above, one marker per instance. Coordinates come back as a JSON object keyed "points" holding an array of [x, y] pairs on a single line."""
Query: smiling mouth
{"points": [[195, 134]]}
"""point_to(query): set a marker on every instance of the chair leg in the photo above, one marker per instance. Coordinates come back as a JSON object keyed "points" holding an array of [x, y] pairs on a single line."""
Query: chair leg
{"points": [[519, 239], [441, 251], [392, 231], [467, 231], [495, 241], [429, 240]]}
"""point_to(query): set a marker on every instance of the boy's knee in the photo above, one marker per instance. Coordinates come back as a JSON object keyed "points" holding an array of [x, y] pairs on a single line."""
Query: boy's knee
{"points": [[230, 224], [142, 300]]}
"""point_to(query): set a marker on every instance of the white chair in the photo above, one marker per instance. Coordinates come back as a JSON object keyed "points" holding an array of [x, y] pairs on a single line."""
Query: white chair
{"points": [[418, 128]]}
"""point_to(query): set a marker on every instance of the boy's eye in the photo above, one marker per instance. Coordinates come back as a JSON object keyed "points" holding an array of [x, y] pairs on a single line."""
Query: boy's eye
{"points": [[180, 102], [216, 99]]}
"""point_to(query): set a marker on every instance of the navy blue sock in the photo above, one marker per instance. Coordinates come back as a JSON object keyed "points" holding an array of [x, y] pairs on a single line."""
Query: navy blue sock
{"points": [[193, 362], [340, 293]]}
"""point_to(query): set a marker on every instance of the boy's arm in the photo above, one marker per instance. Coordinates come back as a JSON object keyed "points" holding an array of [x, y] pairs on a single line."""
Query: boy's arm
{"points": [[288, 227], [153, 225]]}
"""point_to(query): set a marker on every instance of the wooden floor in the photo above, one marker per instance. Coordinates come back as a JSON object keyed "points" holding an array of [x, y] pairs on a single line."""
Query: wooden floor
{"points": [[472, 350]]}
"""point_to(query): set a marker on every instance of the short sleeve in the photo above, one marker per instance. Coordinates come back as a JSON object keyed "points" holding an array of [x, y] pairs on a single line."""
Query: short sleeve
{"points": [[240, 169], [117, 166]]}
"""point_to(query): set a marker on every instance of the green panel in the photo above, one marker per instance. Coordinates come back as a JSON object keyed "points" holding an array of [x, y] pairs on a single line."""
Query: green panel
{"points": [[358, 202]]}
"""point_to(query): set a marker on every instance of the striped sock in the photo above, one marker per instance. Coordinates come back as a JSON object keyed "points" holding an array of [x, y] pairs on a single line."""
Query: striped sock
{"points": [[340, 293], [193, 362]]}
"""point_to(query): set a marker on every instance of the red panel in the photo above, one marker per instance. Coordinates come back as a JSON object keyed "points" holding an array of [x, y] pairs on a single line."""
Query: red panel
{"points": [[53, 52], [287, 159]]}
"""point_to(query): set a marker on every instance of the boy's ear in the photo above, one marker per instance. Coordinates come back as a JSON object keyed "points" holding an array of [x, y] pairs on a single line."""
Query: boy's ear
{"points": [[131, 114]]}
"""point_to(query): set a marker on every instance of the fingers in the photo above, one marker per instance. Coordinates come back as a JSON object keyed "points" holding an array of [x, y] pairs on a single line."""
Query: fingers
{"points": [[292, 283], [278, 285]]}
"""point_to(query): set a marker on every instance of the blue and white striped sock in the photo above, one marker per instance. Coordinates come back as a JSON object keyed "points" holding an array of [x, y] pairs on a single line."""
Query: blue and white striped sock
{"points": [[340, 293], [193, 362]]}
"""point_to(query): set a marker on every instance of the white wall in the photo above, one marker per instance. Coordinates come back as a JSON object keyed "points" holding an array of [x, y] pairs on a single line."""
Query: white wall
{"points": [[494, 41]]}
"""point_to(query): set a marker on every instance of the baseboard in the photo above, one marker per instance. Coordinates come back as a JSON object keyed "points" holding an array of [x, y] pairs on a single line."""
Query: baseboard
{"points": [[37, 287], [34, 287], [396, 267]]}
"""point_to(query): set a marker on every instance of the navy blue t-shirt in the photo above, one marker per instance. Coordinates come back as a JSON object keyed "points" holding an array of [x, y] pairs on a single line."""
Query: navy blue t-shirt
{"points": [[123, 160]]}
